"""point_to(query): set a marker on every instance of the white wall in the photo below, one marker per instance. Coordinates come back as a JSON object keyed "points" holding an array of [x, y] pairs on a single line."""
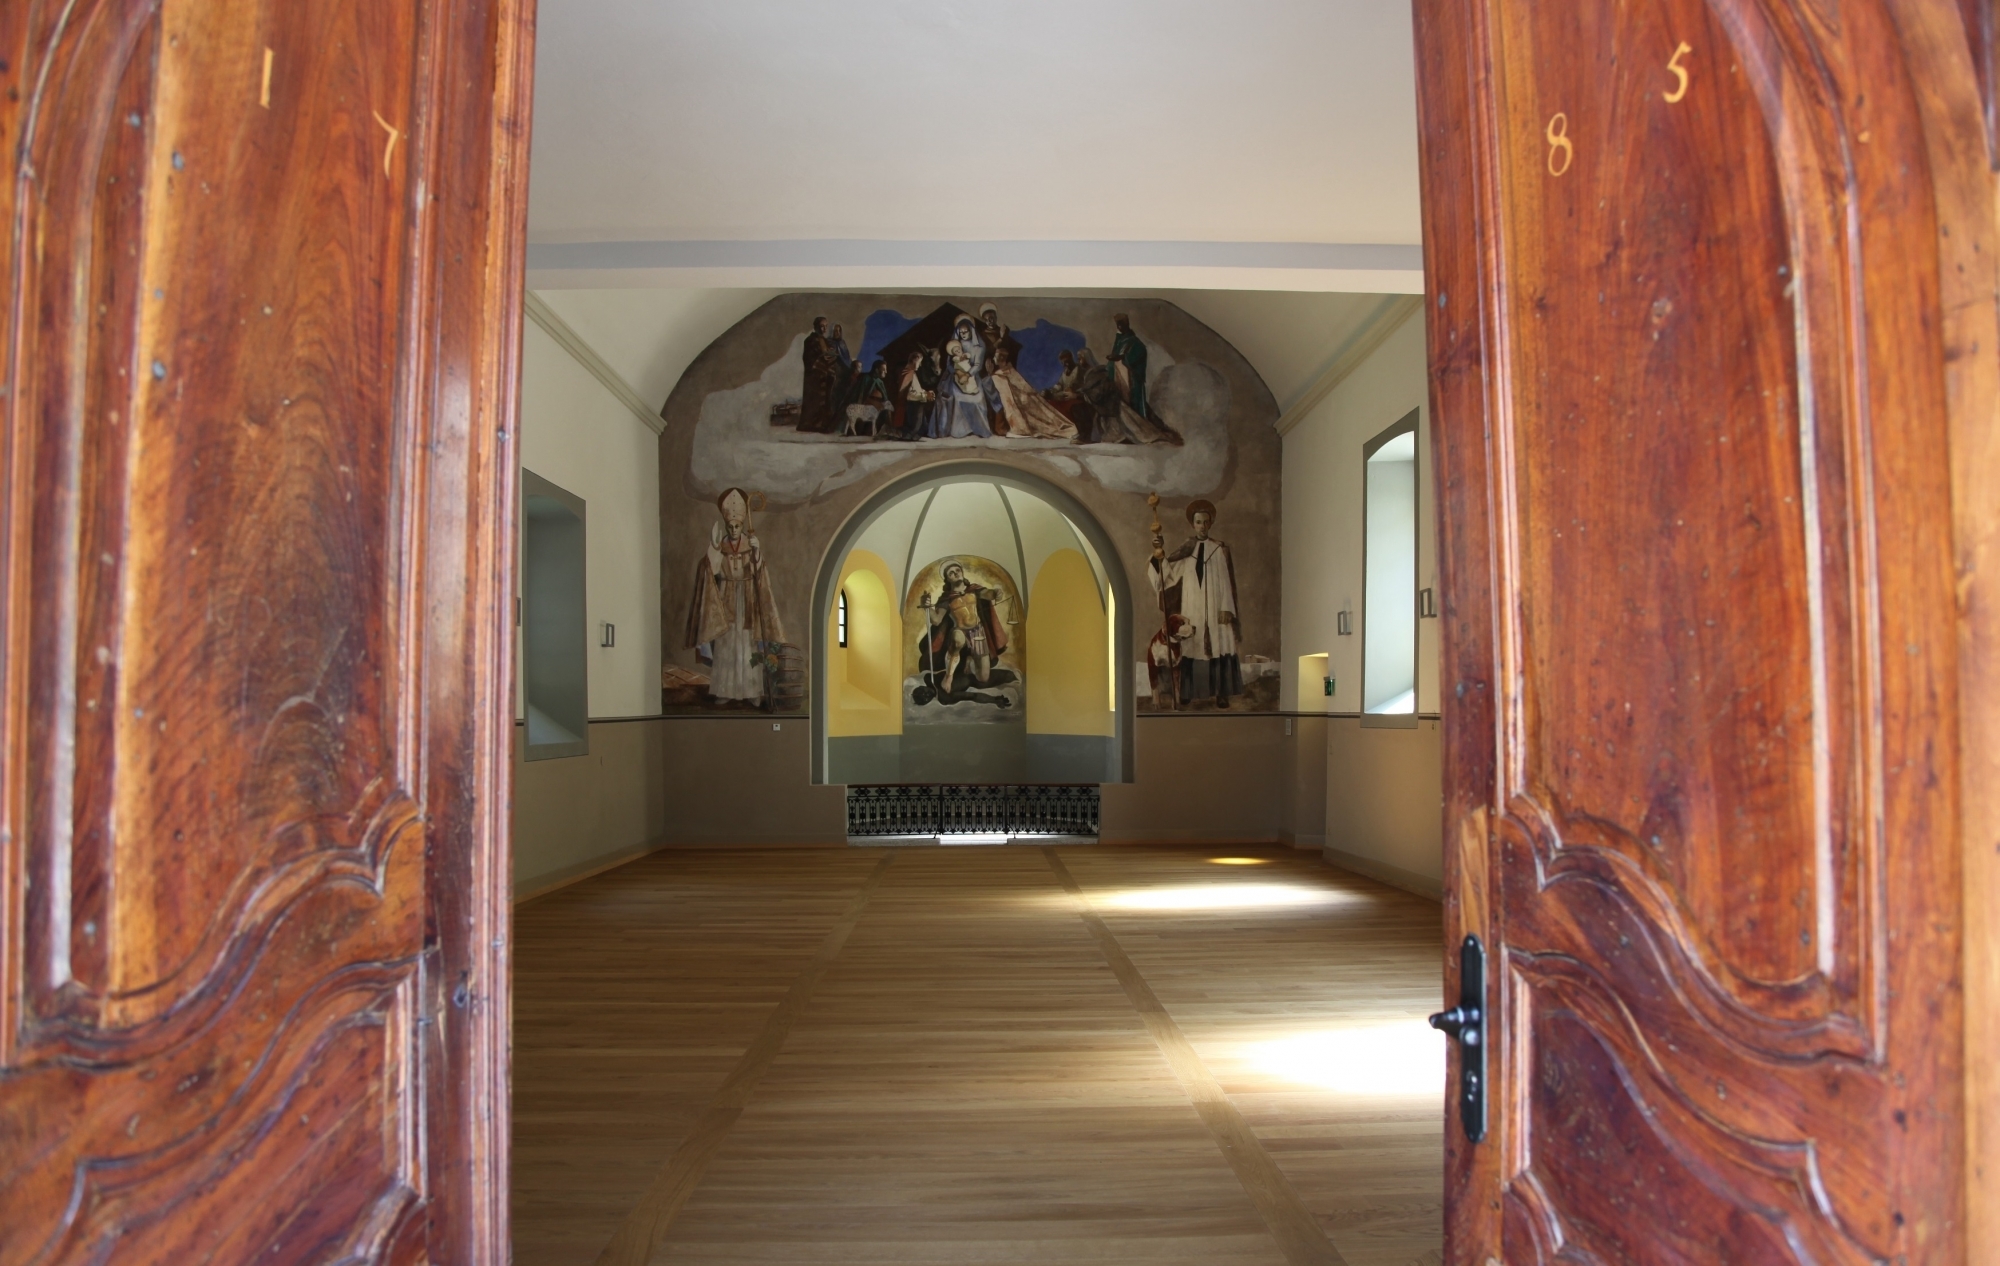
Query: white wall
{"points": [[1382, 791], [578, 436], [1323, 474]]}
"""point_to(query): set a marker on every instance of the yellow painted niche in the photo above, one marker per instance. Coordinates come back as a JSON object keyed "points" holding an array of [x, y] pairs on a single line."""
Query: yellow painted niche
{"points": [[1311, 684], [1068, 671], [864, 691]]}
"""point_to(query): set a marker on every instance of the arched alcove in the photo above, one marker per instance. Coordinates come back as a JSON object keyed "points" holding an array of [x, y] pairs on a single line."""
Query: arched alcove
{"points": [[1006, 605], [863, 674]]}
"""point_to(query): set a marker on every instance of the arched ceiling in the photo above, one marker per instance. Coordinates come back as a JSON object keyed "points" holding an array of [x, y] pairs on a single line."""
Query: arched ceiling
{"points": [[1008, 526]]}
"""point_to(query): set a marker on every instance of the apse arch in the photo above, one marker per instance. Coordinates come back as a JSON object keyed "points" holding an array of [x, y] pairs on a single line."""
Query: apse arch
{"points": [[902, 504]]}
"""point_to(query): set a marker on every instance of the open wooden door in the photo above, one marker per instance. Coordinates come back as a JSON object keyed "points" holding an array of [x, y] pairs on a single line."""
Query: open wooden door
{"points": [[1711, 301], [262, 275]]}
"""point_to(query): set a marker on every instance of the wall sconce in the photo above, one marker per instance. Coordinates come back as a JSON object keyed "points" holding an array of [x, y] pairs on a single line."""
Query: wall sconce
{"points": [[1343, 622], [610, 634], [1427, 604]]}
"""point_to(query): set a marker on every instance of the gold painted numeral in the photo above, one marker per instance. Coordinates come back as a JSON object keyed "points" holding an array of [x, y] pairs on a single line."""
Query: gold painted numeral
{"points": [[1679, 72], [1559, 144]]}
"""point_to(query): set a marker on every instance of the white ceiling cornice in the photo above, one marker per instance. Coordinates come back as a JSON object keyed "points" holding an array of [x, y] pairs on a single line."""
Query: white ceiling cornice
{"points": [[585, 355], [1391, 316]]}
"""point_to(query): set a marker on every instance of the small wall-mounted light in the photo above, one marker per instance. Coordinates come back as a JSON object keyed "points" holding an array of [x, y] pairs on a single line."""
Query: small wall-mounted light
{"points": [[1427, 604], [610, 637], [1343, 623], [1327, 682]]}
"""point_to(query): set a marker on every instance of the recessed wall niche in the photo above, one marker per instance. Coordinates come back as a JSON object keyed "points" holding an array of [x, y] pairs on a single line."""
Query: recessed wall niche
{"points": [[555, 638], [982, 635]]}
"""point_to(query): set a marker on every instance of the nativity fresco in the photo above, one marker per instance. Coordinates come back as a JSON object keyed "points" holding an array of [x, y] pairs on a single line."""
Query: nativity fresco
{"points": [[791, 419], [966, 656], [952, 376]]}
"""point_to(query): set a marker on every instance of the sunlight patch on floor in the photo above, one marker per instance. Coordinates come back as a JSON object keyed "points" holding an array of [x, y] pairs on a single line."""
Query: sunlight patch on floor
{"points": [[1223, 896], [1239, 861], [1400, 1057]]}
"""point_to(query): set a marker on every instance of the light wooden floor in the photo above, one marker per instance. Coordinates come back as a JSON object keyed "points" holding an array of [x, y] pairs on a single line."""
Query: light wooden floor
{"points": [[977, 1055]]}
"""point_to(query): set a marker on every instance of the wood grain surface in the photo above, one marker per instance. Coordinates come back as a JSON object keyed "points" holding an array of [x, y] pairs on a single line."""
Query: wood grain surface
{"points": [[260, 329], [1703, 275], [975, 1055]]}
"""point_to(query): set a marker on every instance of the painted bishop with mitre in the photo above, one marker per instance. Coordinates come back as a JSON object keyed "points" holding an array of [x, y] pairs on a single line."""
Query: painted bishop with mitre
{"points": [[732, 620]]}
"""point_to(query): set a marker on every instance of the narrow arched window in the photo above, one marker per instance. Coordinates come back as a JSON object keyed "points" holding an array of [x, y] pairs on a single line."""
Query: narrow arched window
{"points": [[1390, 604], [841, 618]]}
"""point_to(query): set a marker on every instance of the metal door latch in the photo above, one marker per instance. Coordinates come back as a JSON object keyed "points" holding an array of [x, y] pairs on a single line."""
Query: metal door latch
{"points": [[1466, 1022]]}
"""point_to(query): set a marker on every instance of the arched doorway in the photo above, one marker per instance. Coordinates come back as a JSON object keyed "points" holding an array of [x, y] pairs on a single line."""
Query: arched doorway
{"points": [[971, 625]]}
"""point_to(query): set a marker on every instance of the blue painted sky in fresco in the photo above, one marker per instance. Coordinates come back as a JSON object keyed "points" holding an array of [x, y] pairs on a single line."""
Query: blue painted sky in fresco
{"points": [[885, 326], [1040, 345]]}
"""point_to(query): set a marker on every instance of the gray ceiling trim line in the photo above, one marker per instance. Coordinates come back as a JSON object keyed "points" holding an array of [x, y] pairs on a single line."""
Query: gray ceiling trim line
{"points": [[1388, 317], [583, 354], [870, 253]]}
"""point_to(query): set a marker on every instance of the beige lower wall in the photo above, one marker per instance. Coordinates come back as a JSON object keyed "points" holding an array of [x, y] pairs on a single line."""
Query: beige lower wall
{"points": [[738, 781], [1369, 797], [1305, 806], [577, 813], [747, 780], [1201, 779], [1384, 802]]}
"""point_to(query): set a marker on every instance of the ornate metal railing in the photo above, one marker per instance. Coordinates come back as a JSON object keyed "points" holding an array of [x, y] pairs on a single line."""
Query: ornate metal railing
{"points": [[947, 810]]}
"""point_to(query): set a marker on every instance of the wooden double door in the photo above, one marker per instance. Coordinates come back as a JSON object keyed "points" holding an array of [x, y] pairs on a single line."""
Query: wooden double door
{"points": [[1713, 348], [1713, 340], [261, 270]]}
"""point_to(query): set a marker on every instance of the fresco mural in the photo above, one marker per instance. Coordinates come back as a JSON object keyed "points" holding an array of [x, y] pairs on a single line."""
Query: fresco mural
{"points": [[812, 402], [967, 652], [956, 378], [732, 622], [1195, 651], [819, 417]]}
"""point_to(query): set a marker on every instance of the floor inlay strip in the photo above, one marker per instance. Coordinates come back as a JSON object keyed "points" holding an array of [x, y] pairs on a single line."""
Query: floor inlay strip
{"points": [[1291, 1223], [647, 1223]]}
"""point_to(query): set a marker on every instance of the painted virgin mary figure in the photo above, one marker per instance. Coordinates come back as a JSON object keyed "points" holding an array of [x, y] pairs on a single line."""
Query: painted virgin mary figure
{"points": [[961, 408], [733, 620]]}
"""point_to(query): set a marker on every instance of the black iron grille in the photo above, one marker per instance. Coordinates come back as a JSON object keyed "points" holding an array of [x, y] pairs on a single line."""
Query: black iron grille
{"points": [[934, 809]]}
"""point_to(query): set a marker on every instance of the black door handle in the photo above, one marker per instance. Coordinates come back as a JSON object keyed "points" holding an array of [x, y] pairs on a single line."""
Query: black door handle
{"points": [[1466, 1023]]}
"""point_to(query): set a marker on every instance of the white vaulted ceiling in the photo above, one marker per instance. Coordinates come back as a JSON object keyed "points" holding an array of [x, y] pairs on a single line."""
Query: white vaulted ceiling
{"points": [[1130, 143], [1255, 164], [1008, 526]]}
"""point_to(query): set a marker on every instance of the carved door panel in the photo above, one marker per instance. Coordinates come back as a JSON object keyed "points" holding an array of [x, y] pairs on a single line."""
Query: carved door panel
{"points": [[1689, 337], [261, 273]]}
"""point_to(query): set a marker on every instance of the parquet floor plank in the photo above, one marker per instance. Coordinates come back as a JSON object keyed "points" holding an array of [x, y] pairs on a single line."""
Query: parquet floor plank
{"points": [[968, 1080]]}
